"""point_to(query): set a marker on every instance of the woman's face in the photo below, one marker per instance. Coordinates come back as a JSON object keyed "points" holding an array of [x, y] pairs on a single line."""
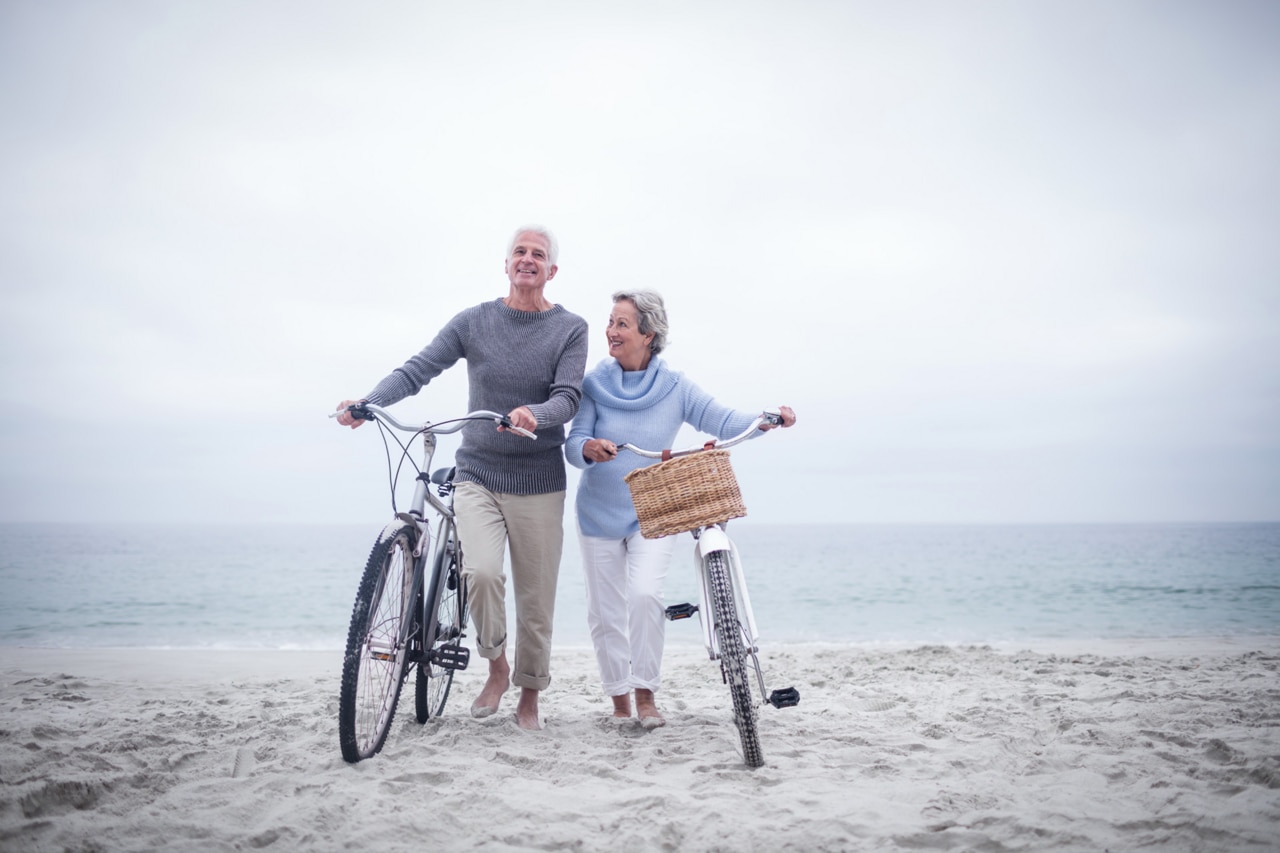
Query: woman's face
{"points": [[626, 344]]}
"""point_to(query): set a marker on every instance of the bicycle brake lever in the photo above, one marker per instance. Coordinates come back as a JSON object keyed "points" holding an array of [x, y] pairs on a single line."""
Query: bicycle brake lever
{"points": [[360, 413], [507, 425]]}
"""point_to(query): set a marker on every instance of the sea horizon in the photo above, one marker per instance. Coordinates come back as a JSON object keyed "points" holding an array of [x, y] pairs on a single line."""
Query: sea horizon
{"points": [[263, 585]]}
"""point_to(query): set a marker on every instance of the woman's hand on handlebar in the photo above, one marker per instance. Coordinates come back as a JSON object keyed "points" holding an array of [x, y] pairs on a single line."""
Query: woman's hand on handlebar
{"points": [[344, 415], [599, 450], [788, 418]]}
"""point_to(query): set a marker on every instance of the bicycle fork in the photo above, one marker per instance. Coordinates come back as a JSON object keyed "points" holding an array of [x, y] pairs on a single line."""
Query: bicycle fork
{"points": [[708, 541]]}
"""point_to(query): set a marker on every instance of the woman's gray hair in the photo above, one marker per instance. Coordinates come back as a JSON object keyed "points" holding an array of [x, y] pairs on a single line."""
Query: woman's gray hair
{"points": [[652, 315], [553, 245]]}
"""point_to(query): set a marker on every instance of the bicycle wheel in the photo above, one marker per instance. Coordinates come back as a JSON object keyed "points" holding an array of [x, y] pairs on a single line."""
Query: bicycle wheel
{"points": [[733, 656], [373, 669], [446, 619]]}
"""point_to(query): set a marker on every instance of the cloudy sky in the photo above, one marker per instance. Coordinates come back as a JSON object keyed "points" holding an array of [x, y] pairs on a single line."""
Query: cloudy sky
{"points": [[1009, 262]]}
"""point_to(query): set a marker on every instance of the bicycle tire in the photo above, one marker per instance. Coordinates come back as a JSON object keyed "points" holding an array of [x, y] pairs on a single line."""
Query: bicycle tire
{"points": [[733, 656], [446, 621], [374, 662]]}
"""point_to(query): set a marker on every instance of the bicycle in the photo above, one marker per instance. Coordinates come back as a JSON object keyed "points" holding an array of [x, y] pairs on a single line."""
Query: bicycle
{"points": [[694, 490], [404, 615]]}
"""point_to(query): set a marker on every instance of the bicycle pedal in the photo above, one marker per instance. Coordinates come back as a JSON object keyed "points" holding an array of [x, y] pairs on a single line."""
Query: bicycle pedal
{"points": [[681, 611], [787, 697], [451, 657]]}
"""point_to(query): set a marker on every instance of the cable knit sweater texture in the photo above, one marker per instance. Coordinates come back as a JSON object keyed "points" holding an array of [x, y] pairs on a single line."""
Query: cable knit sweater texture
{"points": [[645, 408], [514, 358]]}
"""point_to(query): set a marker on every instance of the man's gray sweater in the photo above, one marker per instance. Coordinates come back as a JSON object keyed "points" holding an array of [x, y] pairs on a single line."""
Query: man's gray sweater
{"points": [[514, 358]]}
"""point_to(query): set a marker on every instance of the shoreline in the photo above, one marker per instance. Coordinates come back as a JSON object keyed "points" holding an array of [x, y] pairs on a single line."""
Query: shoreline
{"points": [[200, 663]]}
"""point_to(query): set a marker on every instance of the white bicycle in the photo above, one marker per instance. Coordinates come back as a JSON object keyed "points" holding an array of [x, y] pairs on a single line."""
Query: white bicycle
{"points": [[694, 490]]}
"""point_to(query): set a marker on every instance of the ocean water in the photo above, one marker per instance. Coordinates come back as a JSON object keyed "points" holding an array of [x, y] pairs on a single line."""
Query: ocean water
{"points": [[292, 586]]}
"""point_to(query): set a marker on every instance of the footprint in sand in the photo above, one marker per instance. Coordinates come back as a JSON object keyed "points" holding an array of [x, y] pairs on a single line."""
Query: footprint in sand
{"points": [[60, 797], [877, 704], [244, 764]]}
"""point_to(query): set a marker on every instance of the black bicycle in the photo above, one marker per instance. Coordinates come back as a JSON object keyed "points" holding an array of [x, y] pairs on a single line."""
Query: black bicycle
{"points": [[406, 616]]}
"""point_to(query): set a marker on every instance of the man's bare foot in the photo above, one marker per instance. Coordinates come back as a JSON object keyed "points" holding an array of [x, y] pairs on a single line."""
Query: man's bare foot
{"points": [[647, 710], [527, 710], [622, 706], [486, 704]]}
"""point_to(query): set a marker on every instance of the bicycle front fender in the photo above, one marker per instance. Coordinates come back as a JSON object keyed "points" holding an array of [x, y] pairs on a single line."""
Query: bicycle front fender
{"points": [[709, 541], [393, 527], [423, 544], [712, 539]]}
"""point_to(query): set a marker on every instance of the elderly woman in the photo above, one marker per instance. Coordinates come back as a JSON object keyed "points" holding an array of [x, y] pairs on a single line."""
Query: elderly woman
{"points": [[632, 397]]}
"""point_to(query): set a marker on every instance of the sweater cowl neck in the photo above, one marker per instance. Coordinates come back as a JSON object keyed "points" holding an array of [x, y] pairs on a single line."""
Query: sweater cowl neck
{"points": [[641, 390]]}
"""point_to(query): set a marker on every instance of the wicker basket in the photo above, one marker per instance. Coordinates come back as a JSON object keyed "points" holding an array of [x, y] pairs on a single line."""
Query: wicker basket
{"points": [[685, 493]]}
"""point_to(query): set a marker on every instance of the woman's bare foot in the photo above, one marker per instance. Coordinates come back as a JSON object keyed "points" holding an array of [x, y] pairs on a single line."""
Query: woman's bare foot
{"points": [[647, 710], [486, 704], [622, 706], [527, 710]]}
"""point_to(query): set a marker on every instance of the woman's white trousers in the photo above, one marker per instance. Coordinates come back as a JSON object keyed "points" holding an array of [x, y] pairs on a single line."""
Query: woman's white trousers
{"points": [[625, 609]]}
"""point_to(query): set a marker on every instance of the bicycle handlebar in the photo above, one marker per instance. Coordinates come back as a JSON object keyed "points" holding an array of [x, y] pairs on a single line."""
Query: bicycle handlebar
{"points": [[774, 418], [369, 412]]}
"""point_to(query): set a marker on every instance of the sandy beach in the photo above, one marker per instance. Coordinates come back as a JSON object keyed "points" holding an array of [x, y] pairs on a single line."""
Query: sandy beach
{"points": [[1166, 746]]}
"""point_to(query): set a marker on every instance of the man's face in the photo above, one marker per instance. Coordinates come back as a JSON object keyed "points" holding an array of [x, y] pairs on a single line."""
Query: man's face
{"points": [[530, 262]]}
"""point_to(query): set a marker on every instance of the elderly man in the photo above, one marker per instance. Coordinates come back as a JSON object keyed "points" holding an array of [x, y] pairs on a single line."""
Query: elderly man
{"points": [[525, 356]]}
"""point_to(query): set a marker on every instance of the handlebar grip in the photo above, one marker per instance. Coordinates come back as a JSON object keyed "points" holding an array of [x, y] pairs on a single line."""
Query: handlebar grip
{"points": [[359, 412], [506, 424]]}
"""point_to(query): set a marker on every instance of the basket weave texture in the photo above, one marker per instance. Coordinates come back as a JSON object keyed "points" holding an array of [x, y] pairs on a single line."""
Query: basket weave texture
{"points": [[685, 493]]}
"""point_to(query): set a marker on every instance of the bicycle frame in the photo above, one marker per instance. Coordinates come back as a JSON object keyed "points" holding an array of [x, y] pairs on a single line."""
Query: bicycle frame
{"points": [[422, 493]]}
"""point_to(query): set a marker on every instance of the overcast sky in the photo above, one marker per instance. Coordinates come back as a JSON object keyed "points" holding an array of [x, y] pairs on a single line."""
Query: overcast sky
{"points": [[1008, 261]]}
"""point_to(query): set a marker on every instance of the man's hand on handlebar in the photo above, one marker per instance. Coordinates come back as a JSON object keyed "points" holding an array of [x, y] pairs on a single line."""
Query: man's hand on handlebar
{"points": [[345, 416], [522, 419]]}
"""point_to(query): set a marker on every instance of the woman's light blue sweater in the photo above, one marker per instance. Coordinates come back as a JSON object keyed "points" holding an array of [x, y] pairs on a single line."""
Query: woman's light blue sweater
{"points": [[645, 408]]}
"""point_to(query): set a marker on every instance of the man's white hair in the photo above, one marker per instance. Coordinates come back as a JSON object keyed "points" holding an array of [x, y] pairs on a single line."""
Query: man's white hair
{"points": [[553, 245]]}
